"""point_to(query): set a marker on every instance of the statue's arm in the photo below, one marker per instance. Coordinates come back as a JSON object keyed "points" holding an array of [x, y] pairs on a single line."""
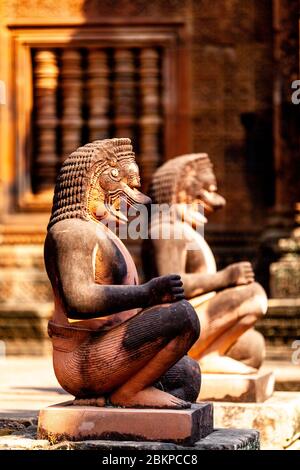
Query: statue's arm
{"points": [[201, 283], [170, 256], [83, 298]]}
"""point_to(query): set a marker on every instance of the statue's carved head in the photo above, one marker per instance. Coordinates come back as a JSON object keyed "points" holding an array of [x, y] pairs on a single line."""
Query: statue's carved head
{"points": [[95, 180], [188, 179]]}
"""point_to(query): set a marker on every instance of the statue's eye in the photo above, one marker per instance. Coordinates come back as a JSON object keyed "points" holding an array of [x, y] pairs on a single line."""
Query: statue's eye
{"points": [[114, 172]]}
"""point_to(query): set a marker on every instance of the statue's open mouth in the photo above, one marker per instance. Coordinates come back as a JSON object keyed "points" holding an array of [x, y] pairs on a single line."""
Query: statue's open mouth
{"points": [[211, 201], [120, 200]]}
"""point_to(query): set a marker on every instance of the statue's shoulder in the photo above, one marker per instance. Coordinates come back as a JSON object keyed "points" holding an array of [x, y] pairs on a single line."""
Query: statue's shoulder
{"points": [[72, 229], [168, 234]]}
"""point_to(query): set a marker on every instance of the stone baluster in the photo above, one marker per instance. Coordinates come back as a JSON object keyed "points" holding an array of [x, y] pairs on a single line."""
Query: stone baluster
{"points": [[124, 93], [45, 92], [98, 94], [71, 88], [150, 119]]}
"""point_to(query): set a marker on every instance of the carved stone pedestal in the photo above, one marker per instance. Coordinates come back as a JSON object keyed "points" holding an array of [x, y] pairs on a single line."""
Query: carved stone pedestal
{"points": [[237, 388], [277, 419], [77, 423]]}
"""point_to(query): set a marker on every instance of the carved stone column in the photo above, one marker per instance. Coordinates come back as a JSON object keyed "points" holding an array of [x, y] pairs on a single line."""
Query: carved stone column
{"points": [[71, 88], [286, 114], [285, 131], [150, 120], [45, 89], [98, 94], [285, 273], [124, 93]]}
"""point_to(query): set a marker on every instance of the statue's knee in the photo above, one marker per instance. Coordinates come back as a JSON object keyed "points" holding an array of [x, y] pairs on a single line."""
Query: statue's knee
{"points": [[183, 379], [256, 349], [259, 349], [191, 367], [248, 320], [187, 363], [255, 299], [186, 318], [260, 299], [249, 348], [191, 375]]}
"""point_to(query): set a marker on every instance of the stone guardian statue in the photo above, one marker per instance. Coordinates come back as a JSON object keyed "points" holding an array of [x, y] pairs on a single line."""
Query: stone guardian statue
{"points": [[114, 340]]}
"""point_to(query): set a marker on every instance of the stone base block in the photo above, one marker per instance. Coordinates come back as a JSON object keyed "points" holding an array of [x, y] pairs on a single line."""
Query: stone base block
{"points": [[77, 423], [237, 388], [277, 419]]}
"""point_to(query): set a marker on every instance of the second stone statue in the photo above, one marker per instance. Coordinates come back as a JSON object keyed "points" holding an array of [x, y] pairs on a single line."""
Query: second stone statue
{"points": [[227, 301]]}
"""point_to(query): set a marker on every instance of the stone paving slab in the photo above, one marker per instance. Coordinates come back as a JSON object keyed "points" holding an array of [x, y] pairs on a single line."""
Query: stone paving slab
{"points": [[23, 443], [28, 384], [277, 419], [219, 439]]}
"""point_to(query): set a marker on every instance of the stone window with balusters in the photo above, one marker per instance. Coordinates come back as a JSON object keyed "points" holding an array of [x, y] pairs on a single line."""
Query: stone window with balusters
{"points": [[76, 86]]}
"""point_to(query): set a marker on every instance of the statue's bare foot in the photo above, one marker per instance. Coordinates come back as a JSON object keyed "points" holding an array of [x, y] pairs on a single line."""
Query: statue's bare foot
{"points": [[99, 401], [215, 364], [150, 397]]}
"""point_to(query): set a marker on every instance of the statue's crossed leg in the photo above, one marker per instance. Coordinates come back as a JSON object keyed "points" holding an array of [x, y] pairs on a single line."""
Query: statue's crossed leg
{"points": [[129, 364]]}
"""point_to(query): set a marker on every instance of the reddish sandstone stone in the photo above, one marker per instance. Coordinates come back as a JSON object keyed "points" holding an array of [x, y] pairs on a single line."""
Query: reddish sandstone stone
{"points": [[76, 423]]}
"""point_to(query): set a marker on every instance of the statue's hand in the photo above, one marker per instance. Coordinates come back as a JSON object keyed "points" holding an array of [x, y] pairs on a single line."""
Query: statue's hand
{"points": [[239, 274], [164, 289]]}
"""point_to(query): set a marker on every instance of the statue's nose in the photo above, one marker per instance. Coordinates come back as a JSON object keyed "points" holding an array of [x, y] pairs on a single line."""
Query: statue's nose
{"points": [[218, 201], [138, 196], [143, 199]]}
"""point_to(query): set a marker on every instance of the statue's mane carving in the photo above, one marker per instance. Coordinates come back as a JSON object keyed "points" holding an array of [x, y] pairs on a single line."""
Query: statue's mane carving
{"points": [[174, 174], [77, 173]]}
